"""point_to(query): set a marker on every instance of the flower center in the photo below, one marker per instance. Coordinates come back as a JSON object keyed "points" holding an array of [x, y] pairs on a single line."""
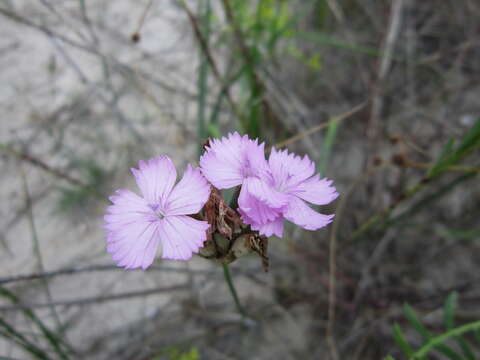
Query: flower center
{"points": [[157, 210]]}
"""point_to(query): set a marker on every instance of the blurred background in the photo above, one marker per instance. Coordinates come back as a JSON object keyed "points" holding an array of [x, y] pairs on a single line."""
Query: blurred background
{"points": [[383, 95]]}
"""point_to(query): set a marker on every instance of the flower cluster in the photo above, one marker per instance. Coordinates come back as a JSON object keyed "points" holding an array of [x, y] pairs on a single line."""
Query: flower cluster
{"points": [[271, 192]]}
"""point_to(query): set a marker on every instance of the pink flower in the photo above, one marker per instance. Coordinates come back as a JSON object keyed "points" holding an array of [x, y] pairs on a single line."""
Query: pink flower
{"points": [[237, 160], [290, 184], [232, 159], [136, 225], [271, 191]]}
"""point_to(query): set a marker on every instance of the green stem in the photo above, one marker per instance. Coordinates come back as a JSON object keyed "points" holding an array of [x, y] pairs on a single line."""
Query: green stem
{"points": [[420, 354], [409, 193], [233, 291]]}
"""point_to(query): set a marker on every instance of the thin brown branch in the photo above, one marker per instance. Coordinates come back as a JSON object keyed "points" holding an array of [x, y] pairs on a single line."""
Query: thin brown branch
{"points": [[211, 61], [143, 17], [93, 268], [95, 299], [42, 165], [330, 336], [393, 31], [245, 52], [314, 129], [36, 244], [459, 168]]}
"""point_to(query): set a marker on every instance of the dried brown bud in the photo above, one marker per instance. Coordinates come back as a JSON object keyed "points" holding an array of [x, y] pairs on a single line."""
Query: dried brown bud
{"points": [[395, 139], [135, 37], [399, 159], [206, 143], [377, 161]]}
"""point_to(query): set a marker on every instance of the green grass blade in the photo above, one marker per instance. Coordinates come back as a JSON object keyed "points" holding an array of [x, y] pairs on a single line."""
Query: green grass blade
{"points": [[429, 199], [327, 146], [476, 334], [213, 129], [449, 310], [470, 142], [466, 349], [450, 156], [401, 341], [53, 339], [202, 82], [325, 39], [448, 319], [438, 340], [460, 235], [422, 330], [444, 154], [413, 319], [9, 333]]}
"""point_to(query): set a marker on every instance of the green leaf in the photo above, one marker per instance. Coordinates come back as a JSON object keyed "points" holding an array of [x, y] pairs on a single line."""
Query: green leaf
{"points": [[466, 349], [471, 234], [422, 330], [439, 340], [329, 140], [476, 334], [54, 339], [401, 341], [448, 319], [449, 310], [11, 334], [446, 151], [471, 141], [450, 156], [429, 199], [204, 8], [412, 318], [326, 39], [214, 131]]}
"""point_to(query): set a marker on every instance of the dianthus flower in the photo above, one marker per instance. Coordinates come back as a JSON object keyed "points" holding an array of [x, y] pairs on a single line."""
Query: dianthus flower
{"points": [[272, 191], [237, 160], [291, 182], [136, 226], [228, 162]]}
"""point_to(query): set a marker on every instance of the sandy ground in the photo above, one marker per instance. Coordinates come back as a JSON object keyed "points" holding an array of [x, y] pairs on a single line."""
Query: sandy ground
{"points": [[57, 101]]}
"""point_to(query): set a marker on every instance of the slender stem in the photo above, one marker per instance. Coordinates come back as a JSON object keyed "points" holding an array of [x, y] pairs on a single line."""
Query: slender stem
{"points": [[209, 57], [38, 254], [384, 214], [337, 118], [447, 168], [420, 354], [233, 291]]}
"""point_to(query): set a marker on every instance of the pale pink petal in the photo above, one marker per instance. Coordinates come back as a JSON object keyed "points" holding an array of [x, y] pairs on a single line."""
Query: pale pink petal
{"points": [[316, 191], [228, 161], [131, 230], [274, 227], [127, 208], [189, 195], [181, 236], [127, 198], [256, 210], [288, 169], [223, 161], [265, 192], [302, 215], [134, 245], [254, 164], [155, 178]]}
